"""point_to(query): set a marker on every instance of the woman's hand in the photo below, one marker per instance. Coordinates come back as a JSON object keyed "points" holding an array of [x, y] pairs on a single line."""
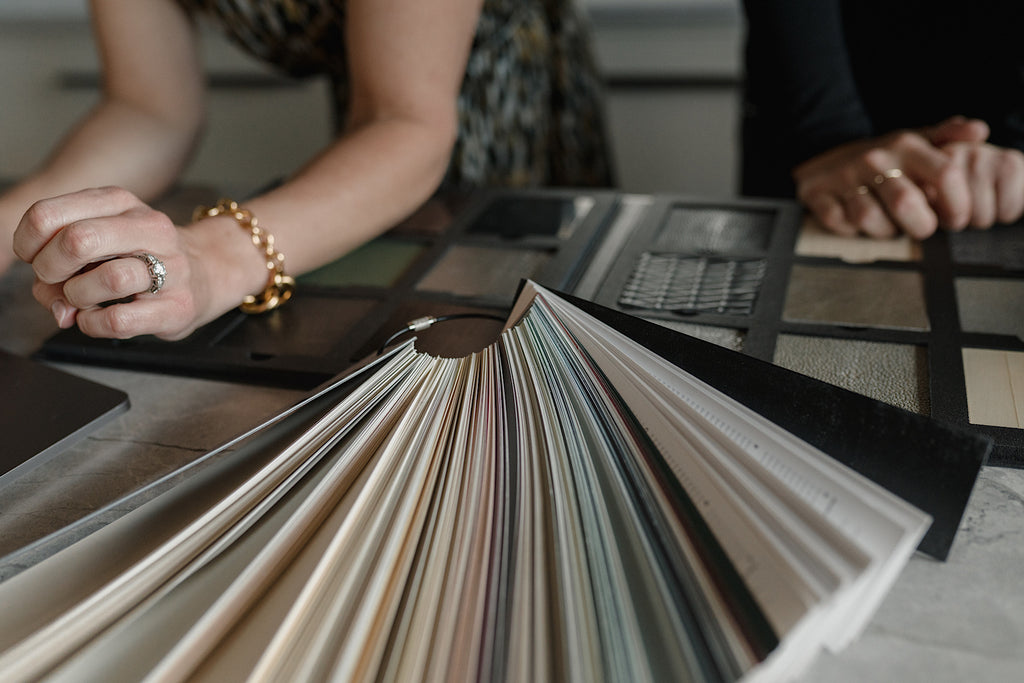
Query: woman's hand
{"points": [[915, 182], [995, 180], [901, 182], [84, 249]]}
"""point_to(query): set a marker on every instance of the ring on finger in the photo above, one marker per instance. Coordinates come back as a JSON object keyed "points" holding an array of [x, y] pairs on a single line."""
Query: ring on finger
{"points": [[157, 271], [887, 175], [858, 191]]}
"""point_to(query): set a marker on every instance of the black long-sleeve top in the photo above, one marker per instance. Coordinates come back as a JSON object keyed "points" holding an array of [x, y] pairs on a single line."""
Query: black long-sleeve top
{"points": [[823, 72]]}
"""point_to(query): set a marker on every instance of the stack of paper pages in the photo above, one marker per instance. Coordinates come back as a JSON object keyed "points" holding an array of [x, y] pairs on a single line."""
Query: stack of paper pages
{"points": [[564, 505]]}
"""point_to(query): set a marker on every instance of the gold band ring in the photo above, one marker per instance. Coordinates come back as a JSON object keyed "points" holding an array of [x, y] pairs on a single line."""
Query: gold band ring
{"points": [[857, 191], [887, 175]]}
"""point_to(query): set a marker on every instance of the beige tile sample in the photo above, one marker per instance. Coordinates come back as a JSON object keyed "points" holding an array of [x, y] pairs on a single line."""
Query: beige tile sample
{"points": [[995, 387], [815, 240]]}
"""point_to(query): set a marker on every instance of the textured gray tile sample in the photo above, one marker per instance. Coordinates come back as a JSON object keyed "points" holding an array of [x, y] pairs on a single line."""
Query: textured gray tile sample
{"points": [[894, 373], [857, 297], [722, 336], [698, 230], [991, 305]]}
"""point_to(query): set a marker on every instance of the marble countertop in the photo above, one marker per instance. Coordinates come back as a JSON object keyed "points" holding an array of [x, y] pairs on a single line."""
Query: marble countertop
{"points": [[953, 621]]}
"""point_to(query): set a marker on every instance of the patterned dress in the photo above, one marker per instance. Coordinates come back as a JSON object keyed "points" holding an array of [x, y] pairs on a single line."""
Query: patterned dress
{"points": [[529, 108]]}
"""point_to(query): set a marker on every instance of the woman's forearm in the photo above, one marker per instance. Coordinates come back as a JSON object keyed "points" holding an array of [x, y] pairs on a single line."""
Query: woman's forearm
{"points": [[362, 184], [117, 144]]}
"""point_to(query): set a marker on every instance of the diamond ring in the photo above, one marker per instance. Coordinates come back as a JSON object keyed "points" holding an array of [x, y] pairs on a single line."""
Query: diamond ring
{"points": [[157, 271]]}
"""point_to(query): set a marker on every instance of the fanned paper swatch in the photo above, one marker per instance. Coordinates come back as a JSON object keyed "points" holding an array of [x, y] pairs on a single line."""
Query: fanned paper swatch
{"points": [[564, 505]]}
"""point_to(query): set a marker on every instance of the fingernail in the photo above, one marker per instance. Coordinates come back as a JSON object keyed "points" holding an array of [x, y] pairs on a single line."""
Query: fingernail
{"points": [[61, 312]]}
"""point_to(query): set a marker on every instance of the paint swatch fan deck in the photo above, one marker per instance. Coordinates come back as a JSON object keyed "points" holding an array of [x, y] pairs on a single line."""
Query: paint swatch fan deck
{"points": [[565, 504]]}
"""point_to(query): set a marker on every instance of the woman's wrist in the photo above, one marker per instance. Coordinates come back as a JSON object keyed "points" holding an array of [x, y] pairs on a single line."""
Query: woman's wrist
{"points": [[279, 286], [230, 268]]}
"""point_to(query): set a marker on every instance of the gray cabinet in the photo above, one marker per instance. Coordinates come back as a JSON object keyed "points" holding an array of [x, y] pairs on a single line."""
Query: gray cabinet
{"points": [[673, 77]]}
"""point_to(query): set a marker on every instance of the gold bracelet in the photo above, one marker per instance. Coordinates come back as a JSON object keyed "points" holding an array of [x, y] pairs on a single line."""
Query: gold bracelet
{"points": [[280, 287]]}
